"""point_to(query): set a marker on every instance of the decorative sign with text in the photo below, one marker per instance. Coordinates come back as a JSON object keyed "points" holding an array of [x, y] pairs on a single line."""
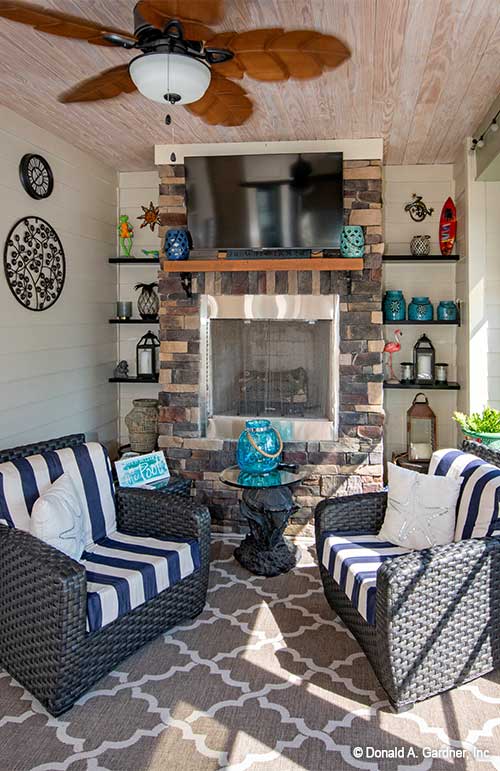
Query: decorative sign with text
{"points": [[143, 470]]}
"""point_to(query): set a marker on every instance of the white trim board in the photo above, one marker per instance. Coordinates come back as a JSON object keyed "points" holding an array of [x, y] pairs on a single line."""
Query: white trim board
{"points": [[352, 149]]}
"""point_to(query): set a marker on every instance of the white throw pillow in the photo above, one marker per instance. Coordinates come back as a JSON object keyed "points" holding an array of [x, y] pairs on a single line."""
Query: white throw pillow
{"points": [[421, 509], [57, 518]]}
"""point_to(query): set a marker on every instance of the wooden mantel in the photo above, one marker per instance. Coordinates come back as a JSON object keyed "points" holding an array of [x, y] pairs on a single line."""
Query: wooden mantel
{"points": [[239, 266]]}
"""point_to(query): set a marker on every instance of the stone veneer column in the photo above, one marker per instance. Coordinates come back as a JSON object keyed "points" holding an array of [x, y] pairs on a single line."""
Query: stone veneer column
{"points": [[353, 463]]}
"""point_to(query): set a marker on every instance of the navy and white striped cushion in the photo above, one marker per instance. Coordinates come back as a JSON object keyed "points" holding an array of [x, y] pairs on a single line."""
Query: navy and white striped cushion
{"points": [[478, 505], [125, 571], [24, 480], [353, 559]]}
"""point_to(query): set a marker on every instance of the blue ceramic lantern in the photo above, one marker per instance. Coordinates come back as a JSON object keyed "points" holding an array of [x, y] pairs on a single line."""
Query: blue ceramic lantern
{"points": [[178, 242], [420, 309], [352, 241], [447, 311], [259, 447], [394, 305]]}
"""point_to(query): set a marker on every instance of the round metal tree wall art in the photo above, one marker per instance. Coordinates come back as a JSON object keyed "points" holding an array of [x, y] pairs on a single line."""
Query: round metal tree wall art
{"points": [[34, 263]]}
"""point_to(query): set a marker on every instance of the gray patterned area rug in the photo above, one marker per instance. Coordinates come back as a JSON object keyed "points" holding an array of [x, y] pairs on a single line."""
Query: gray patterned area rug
{"points": [[266, 679]]}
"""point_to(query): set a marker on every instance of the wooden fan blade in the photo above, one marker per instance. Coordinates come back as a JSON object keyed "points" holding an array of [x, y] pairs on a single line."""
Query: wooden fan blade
{"points": [[159, 12], [251, 50], [106, 85], [232, 68], [224, 104], [275, 55], [56, 23]]}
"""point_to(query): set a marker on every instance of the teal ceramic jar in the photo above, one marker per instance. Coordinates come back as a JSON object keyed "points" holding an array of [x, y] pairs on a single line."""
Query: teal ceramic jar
{"points": [[420, 309], [259, 447], [394, 305], [352, 241], [447, 311]]}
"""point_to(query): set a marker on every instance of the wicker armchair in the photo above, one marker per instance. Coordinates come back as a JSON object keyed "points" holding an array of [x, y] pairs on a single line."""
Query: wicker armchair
{"points": [[43, 639], [437, 614]]}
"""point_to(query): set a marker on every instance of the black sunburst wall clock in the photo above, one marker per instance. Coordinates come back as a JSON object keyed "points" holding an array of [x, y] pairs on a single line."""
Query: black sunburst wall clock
{"points": [[36, 176]]}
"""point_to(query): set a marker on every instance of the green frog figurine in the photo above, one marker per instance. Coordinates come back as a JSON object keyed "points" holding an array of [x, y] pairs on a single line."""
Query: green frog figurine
{"points": [[126, 234]]}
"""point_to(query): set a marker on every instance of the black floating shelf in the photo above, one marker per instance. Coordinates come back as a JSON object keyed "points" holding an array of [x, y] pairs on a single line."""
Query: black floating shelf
{"points": [[133, 321], [422, 323], [134, 260], [130, 380], [436, 259], [425, 387]]}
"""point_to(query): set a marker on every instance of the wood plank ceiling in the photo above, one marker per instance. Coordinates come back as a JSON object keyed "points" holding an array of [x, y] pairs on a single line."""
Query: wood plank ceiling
{"points": [[422, 75]]}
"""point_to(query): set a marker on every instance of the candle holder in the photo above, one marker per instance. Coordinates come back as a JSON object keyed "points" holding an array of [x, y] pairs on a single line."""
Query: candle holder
{"points": [[124, 310], [441, 373], [406, 372]]}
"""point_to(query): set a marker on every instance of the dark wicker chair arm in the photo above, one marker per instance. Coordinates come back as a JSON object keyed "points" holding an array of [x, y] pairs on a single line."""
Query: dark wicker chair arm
{"points": [[155, 514], [452, 586], [351, 512], [42, 591]]}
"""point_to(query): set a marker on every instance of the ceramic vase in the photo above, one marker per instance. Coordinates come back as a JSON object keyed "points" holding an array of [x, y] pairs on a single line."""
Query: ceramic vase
{"points": [[142, 424], [352, 241], [420, 309], [177, 244], [259, 447], [420, 246], [447, 311], [394, 305]]}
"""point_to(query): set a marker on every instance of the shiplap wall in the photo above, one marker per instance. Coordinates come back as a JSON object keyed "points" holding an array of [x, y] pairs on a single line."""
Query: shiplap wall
{"points": [[54, 365], [136, 189], [462, 285], [434, 183], [492, 288]]}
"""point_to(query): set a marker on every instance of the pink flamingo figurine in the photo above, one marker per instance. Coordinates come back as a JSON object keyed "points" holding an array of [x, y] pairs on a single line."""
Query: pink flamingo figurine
{"points": [[391, 348]]}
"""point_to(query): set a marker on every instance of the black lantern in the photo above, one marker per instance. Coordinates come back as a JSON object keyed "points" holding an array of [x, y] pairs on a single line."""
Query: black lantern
{"points": [[424, 357], [147, 357], [421, 430]]}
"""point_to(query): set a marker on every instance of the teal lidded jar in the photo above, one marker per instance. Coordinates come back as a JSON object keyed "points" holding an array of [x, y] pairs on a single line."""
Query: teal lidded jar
{"points": [[447, 311], [420, 309], [394, 305], [259, 447]]}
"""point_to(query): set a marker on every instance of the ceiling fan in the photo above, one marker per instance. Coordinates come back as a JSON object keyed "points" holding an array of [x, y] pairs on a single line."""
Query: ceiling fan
{"points": [[182, 61]]}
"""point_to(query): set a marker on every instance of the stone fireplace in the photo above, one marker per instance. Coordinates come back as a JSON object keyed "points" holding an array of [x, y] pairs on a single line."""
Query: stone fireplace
{"points": [[303, 348]]}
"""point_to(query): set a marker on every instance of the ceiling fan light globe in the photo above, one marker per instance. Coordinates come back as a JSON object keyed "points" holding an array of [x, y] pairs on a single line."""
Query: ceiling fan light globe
{"points": [[157, 75]]}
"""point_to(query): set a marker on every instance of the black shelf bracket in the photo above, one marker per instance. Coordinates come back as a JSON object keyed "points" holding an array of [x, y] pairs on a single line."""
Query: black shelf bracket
{"points": [[187, 284]]}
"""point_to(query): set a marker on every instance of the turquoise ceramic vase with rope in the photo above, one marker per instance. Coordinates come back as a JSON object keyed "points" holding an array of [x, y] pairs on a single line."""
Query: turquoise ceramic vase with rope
{"points": [[259, 447]]}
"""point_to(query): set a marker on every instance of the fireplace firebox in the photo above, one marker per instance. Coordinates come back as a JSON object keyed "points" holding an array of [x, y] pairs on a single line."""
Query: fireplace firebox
{"points": [[272, 356]]}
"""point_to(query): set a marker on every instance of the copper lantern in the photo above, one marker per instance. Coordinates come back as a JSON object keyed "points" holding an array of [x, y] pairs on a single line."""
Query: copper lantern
{"points": [[420, 430]]}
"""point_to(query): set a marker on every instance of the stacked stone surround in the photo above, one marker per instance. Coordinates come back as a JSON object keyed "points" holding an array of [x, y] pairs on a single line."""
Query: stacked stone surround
{"points": [[353, 463]]}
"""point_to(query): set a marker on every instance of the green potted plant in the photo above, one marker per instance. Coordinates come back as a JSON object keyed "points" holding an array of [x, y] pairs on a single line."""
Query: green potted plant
{"points": [[481, 427]]}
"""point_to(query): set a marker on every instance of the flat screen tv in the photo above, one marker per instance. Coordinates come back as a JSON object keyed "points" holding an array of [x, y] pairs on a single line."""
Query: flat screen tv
{"points": [[292, 201]]}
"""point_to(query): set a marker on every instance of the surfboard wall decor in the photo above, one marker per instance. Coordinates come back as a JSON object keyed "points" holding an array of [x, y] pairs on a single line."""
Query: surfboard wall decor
{"points": [[447, 227]]}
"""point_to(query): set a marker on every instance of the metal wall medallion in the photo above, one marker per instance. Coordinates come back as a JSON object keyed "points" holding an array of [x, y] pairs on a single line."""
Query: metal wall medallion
{"points": [[34, 263]]}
